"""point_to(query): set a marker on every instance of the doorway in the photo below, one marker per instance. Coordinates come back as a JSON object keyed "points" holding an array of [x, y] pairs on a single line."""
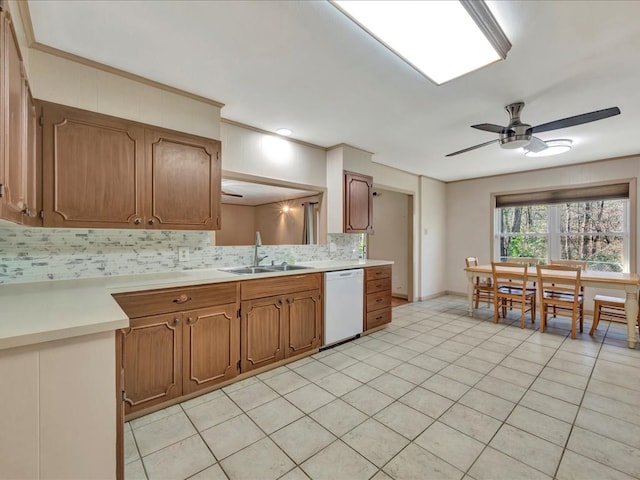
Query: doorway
{"points": [[393, 238]]}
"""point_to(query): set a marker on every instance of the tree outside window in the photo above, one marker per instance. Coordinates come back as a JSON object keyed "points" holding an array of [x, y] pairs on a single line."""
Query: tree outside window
{"points": [[593, 231]]}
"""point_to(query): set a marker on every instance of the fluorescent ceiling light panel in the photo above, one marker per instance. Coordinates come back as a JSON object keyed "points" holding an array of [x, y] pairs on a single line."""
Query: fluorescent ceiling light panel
{"points": [[441, 39]]}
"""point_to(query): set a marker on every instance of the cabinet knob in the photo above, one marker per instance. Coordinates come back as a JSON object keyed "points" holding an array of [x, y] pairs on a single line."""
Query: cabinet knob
{"points": [[189, 320], [176, 321], [279, 302], [26, 211], [137, 221], [152, 221]]}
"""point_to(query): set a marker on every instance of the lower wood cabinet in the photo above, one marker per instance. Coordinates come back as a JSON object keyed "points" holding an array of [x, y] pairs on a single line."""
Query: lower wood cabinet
{"points": [[210, 346], [151, 359], [262, 331], [168, 355], [304, 314], [280, 326], [377, 301]]}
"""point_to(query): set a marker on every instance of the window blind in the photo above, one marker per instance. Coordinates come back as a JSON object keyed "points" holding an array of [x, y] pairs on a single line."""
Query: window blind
{"points": [[565, 195]]}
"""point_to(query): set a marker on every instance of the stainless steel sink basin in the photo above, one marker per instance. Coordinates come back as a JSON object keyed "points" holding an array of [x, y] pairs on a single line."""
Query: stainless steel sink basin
{"points": [[286, 268], [247, 270], [266, 269]]}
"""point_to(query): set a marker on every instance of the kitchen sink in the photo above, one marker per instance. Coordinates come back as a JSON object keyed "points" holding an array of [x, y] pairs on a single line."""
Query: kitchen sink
{"points": [[247, 270], [286, 267], [268, 269]]}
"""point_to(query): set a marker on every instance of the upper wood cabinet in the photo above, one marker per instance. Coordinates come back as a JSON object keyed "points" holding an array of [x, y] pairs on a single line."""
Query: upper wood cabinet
{"points": [[105, 172], [358, 203], [18, 187], [184, 174]]}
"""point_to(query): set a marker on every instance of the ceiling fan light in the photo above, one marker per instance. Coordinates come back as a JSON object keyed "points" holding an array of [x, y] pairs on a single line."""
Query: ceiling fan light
{"points": [[554, 147]]}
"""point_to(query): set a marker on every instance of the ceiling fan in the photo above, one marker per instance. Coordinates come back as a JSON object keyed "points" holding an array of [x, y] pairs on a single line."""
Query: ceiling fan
{"points": [[517, 134], [231, 194]]}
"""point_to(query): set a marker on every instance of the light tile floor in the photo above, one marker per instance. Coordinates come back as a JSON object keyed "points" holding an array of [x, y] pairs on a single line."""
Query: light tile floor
{"points": [[435, 395]]}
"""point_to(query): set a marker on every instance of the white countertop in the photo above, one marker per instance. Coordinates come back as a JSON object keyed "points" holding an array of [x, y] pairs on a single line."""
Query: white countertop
{"points": [[39, 312]]}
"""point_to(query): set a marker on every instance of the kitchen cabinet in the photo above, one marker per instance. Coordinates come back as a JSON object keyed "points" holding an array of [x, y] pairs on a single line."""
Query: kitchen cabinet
{"points": [[377, 301], [105, 172], [280, 318], [18, 189], [179, 341], [304, 313], [358, 203]]}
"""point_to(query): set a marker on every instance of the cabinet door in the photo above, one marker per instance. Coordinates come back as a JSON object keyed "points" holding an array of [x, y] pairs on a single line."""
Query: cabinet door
{"points": [[211, 346], [151, 359], [184, 181], [262, 332], [91, 170], [358, 203], [304, 330], [14, 176]]}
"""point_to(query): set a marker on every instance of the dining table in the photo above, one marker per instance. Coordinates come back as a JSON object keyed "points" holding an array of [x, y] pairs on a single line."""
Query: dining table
{"points": [[627, 282]]}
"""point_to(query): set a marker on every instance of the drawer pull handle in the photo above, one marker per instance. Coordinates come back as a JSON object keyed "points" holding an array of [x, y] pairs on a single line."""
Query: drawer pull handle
{"points": [[379, 317], [182, 299], [378, 300]]}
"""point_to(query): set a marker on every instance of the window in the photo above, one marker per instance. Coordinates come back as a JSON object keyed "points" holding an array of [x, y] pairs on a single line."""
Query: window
{"points": [[596, 231]]}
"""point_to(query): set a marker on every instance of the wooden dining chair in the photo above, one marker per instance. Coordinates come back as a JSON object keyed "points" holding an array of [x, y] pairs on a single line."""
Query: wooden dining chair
{"points": [[570, 263], [510, 285], [482, 287], [559, 287], [608, 308]]}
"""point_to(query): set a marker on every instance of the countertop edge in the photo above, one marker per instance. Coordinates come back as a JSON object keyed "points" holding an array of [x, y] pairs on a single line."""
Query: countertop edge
{"points": [[46, 322]]}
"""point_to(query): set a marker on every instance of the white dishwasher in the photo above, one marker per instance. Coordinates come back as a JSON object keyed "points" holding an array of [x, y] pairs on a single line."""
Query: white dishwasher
{"points": [[343, 303]]}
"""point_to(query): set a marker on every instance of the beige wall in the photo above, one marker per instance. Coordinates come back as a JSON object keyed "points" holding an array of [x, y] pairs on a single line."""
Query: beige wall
{"points": [[282, 228], [238, 225], [470, 217], [434, 246], [251, 152]]}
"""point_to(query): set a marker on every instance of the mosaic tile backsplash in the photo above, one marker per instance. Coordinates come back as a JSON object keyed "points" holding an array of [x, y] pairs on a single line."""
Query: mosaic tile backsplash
{"points": [[37, 254]]}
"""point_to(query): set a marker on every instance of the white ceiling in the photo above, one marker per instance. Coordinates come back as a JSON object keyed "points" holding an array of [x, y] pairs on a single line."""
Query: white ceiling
{"points": [[304, 65], [254, 194]]}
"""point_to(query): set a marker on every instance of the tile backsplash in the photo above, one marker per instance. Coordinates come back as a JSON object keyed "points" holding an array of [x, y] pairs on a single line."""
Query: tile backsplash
{"points": [[37, 254]]}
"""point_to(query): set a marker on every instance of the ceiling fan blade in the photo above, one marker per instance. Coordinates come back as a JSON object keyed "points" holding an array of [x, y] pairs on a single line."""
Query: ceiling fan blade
{"points": [[577, 120], [232, 194], [471, 148], [536, 145], [491, 127]]}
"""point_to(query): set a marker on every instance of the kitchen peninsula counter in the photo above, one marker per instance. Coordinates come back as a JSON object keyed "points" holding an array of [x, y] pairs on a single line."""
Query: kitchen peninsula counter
{"points": [[39, 312]]}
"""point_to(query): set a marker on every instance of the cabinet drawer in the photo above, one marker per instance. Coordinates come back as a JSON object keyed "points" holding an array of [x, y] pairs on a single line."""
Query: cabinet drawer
{"points": [[380, 285], [268, 287], [374, 273], [152, 302], [378, 317], [376, 301]]}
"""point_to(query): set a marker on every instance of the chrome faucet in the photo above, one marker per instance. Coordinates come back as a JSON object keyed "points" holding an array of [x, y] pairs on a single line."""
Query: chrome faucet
{"points": [[256, 258]]}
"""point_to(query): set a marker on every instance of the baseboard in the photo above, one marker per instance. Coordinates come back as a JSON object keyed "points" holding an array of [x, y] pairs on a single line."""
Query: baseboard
{"points": [[404, 296]]}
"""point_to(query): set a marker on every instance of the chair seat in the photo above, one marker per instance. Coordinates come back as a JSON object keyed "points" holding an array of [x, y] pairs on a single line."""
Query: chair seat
{"points": [[609, 301], [561, 296], [516, 291]]}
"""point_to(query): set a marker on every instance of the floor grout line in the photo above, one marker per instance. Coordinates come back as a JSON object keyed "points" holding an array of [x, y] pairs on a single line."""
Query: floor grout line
{"points": [[450, 311]]}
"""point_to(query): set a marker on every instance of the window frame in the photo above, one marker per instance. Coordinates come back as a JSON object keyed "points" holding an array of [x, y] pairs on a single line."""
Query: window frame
{"points": [[629, 237]]}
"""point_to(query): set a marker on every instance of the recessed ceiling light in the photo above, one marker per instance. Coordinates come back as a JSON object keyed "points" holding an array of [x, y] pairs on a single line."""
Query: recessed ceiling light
{"points": [[554, 147], [441, 39], [284, 131]]}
